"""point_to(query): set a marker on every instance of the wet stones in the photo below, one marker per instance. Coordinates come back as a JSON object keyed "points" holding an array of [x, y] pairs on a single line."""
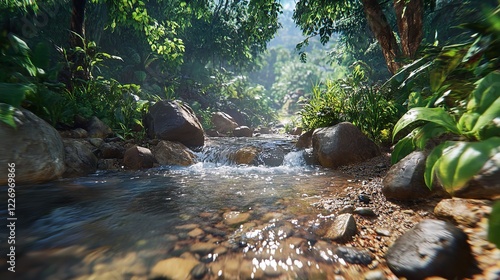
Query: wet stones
{"points": [[234, 218], [354, 255], [341, 229], [431, 248], [175, 268], [173, 153]]}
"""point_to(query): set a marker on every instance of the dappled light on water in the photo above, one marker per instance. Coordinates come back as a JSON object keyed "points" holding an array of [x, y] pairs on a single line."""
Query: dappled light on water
{"points": [[232, 221]]}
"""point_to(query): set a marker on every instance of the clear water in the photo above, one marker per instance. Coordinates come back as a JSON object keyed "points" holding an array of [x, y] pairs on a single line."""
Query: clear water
{"points": [[123, 223]]}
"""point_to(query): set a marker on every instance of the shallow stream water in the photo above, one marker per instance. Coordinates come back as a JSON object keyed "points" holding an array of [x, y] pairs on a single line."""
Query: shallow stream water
{"points": [[212, 220]]}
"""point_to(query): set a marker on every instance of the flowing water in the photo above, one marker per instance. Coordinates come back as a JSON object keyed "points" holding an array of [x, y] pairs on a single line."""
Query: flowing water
{"points": [[211, 220]]}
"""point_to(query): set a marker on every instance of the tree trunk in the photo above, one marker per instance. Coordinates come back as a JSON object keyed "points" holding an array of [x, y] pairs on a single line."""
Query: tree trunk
{"points": [[410, 25], [383, 32], [78, 24]]}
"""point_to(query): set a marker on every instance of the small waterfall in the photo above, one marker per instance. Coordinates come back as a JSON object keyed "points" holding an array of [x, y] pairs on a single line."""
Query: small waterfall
{"points": [[264, 152]]}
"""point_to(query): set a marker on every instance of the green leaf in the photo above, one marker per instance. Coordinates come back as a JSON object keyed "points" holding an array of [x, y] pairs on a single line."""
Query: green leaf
{"points": [[494, 225], [403, 148], [14, 94], [485, 93], [491, 113], [460, 162], [436, 115], [426, 132], [444, 64], [7, 114], [430, 162]]}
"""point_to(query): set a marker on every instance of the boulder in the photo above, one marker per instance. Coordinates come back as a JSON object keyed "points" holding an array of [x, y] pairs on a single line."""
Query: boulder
{"points": [[405, 179], [173, 153], [137, 157], [305, 140], [223, 122], [245, 155], [342, 144], [79, 158], [111, 150], [35, 148], [242, 131], [484, 185], [174, 121], [98, 129], [431, 248]]}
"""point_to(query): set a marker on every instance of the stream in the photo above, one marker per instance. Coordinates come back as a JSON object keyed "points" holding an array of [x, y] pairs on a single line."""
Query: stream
{"points": [[211, 220]]}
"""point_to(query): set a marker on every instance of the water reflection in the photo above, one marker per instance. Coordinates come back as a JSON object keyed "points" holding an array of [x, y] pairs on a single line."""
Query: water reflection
{"points": [[234, 221]]}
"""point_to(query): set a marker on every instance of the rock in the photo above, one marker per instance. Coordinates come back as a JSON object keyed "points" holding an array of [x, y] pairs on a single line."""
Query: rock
{"points": [[375, 275], [405, 179], [79, 158], [96, 142], [199, 271], [35, 148], [364, 211], [383, 232], [111, 150], [342, 229], [465, 212], [235, 218], [296, 131], [174, 121], [202, 248], [354, 255], [174, 268], [97, 129], [242, 131], [245, 155], [137, 157], [173, 153], [431, 248], [305, 140], [342, 144], [195, 233], [75, 133], [223, 122], [486, 184], [271, 156]]}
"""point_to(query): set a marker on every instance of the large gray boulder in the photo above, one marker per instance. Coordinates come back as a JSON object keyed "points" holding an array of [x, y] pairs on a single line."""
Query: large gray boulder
{"points": [[431, 248], [79, 158], [405, 179], [175, 121], [342, 144], [35, 148]]}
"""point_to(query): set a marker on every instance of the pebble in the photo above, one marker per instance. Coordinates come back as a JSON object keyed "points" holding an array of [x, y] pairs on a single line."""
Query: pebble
{"points": [[364, 211], [375, 275], [174, 268], [234, 218], [195, 232], [364, 198], [202, 248], [342, 228], [199, 271], [383, 232]]}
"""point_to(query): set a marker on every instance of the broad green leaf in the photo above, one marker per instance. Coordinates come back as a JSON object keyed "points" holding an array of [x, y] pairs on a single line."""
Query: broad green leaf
{"points": [[444, 64], [426, 132], [467, 121], [491, 113], [14, 94], [403, 148], [494, 225], [485, 93], [460, 162], [430, 162], [7, 114], [436, 115]]}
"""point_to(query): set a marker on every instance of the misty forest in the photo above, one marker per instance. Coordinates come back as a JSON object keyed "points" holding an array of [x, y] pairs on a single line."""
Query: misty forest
{"points": [[250, 139]]}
